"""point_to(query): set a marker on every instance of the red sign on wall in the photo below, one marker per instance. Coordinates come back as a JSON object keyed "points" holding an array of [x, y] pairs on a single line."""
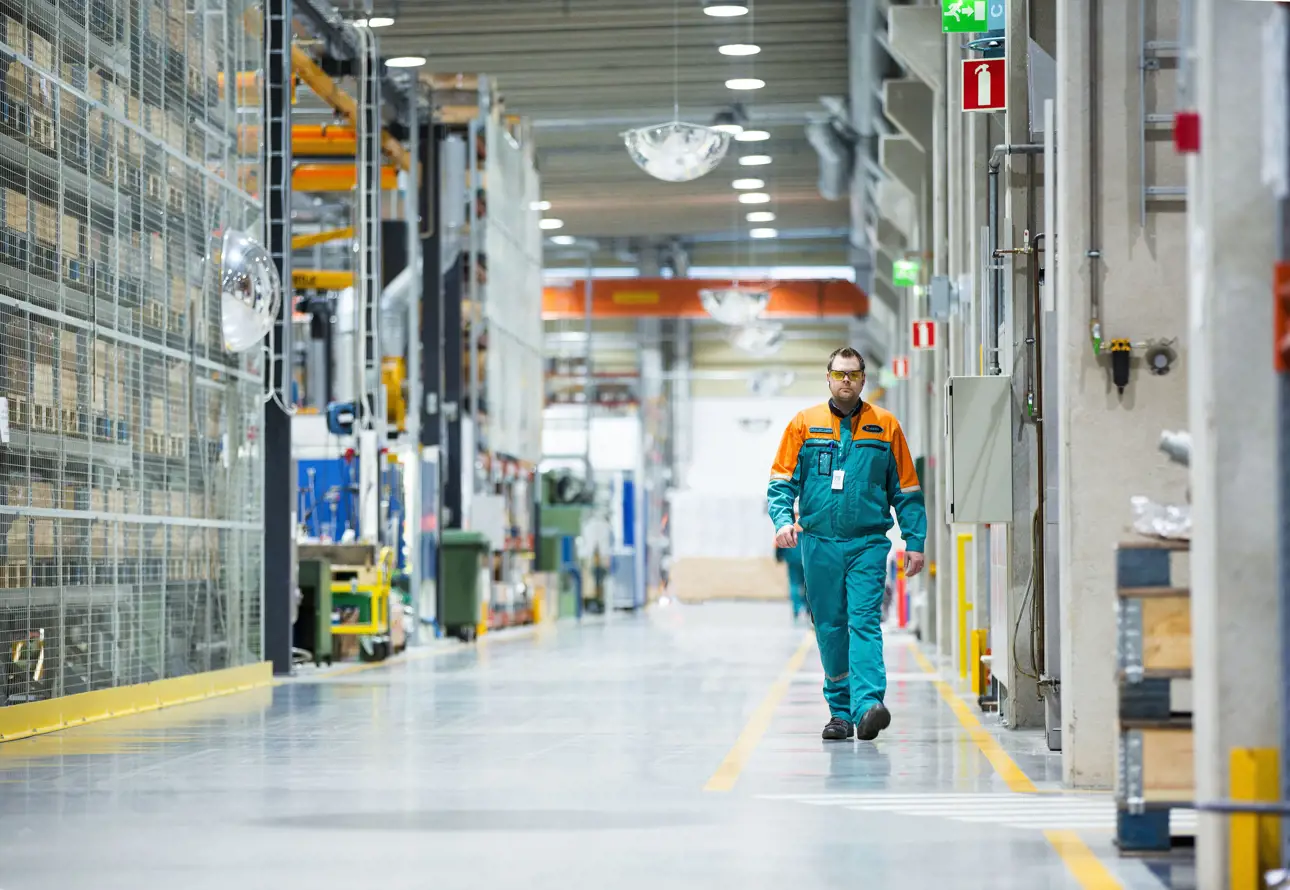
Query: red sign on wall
{"points": [[900, 367], [985, 84], [922, 334]]}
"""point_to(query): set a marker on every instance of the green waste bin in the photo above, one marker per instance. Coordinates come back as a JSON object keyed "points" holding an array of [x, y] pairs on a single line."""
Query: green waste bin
{"points": [[463, 554]]}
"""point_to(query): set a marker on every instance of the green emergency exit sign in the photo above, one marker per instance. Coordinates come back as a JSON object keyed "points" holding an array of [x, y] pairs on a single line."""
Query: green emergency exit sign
{"points": [[964, 16], [904, 273]]}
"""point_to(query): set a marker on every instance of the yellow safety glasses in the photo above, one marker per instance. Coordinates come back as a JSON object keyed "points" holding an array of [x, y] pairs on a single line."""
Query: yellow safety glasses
{"points": [[839, 376]]}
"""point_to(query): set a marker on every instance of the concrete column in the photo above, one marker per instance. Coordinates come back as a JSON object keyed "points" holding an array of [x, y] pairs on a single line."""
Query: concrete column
{"points": [[1231, 215], [1107, 448]]}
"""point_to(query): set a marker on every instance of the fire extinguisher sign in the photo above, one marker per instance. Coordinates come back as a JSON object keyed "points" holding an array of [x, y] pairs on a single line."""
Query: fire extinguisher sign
{"points": [[985, 84]]}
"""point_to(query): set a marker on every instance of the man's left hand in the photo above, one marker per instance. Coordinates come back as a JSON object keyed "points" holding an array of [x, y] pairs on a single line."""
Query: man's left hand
{"points": [[913, 563]]}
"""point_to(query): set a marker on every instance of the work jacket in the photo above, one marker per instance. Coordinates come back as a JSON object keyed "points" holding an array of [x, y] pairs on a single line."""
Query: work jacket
{"points": [[848, 473]]}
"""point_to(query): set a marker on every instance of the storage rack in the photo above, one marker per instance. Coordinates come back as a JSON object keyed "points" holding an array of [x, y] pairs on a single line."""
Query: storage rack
{"points": [[502, 326], [130, 515]]}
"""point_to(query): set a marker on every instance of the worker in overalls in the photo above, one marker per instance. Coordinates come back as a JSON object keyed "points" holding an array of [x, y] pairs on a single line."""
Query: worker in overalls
{"points": [[847, 464]]}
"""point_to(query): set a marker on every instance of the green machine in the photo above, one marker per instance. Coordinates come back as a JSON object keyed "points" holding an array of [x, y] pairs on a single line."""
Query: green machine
{"points": [[312, 630], [463, 555], [560, 527]]}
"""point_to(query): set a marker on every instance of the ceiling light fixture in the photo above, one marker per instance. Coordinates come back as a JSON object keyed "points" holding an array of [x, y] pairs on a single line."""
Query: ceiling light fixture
{"points": [[752, 136], [550, 224], [754, 198], [732, 129], [541, 205], [377, 21], [563, 240], [745, 83], [764, 233], [724, 9], [739, 49], [760, 216], [748, 184], [754, 160], [405, 62]]}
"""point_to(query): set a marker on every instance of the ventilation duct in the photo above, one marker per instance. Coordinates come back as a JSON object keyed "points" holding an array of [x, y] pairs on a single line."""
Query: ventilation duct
{"points": [[834, 142]]}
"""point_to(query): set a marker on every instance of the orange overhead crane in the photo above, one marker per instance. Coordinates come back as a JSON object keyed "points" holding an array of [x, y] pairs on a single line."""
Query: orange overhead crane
{"points": [[679, 298], [307, 140], [315, 178]]}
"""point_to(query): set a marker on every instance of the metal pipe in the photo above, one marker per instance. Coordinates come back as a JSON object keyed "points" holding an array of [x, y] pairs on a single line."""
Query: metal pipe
{"points": [[992, 213], [1283, 485], [589, 387], [1094, 253]]}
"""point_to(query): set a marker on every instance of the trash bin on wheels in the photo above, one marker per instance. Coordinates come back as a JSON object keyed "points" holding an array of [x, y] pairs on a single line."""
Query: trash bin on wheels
{"points": [[463, 554]]}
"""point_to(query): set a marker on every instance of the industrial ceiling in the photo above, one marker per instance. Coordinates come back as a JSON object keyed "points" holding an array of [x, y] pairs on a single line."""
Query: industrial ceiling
{"points": [[585, 70]]}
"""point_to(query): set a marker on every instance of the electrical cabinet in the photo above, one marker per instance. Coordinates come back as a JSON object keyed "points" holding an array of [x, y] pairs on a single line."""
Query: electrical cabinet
{"points": [[978, 425]]}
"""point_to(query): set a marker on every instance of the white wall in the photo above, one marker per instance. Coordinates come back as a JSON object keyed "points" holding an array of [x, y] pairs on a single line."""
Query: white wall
{"points": [[615, 441], [721, 511]]}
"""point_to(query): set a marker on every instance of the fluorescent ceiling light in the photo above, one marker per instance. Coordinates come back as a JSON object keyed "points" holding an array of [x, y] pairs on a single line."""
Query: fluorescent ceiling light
{"points": [[745, 83], [541, 205], [754, 160], [405, 62], [760, 216], [377, 21], [733, 129], [739, 49], [752, 136], [724, 9], [754, 198], [563, 240], [550, 224], [748, 184], [764, 233]]}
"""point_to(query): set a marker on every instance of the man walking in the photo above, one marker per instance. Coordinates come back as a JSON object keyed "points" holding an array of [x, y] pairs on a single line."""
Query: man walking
{"points": [[848, 465]]}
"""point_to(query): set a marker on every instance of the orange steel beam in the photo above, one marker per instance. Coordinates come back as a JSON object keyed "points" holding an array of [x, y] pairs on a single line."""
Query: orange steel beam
{"points": [[336, 178], [312, 239], [307, 140], [321, 83], [679, 298]]}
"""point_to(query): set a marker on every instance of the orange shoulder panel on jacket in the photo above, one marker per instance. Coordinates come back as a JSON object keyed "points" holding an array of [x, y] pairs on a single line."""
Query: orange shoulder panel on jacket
{"points": [[904, 460], [818, 418], [876, 423], [790, 445]]}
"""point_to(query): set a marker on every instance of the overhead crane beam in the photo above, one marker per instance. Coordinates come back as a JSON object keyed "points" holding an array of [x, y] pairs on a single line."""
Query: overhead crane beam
{"points": [[681, 298], [319, 178], [307, 140], [315, 279]]}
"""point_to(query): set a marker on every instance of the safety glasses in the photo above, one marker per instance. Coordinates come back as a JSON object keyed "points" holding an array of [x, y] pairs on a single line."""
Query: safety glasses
{"points": [[849, 376]]}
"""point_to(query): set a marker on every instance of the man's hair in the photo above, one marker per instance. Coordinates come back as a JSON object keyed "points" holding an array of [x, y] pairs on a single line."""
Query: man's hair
{"points": [[845, 352]]}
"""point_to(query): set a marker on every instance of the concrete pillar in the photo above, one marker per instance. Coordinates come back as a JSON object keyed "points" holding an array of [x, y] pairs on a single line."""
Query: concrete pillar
{"points": [[1231, 215], [1107, 449]]}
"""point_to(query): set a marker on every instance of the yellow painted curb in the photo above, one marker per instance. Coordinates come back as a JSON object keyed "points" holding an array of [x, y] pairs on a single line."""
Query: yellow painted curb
{"points": [[37, 718]]}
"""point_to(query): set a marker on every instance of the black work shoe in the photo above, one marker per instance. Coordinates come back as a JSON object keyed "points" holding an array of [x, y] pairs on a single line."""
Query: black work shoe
{"points": [[838, 730], [874, 721]]}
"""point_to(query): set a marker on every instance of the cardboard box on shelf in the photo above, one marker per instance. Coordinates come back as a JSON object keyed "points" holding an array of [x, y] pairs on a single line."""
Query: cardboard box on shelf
{"points": [[156, 414], [68, 389], [43, 539], [46, 223], [69, 237], [43, 390], [16, 211]]}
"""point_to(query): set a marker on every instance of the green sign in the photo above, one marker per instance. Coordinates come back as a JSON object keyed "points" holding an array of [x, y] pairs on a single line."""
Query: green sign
{"points": [[963, 16], [904, 273]]}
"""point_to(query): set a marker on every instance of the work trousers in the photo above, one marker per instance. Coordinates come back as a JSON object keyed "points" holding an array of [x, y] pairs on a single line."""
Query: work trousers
{"points": [[844, 587]]}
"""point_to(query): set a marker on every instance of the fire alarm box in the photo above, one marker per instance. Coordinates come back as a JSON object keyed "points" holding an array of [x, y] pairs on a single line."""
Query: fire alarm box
{"points": [[978, 424]]}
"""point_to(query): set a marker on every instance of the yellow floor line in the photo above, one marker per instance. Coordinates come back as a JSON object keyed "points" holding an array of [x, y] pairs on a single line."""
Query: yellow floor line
{"points": [[728, 773], [1089, 871]]}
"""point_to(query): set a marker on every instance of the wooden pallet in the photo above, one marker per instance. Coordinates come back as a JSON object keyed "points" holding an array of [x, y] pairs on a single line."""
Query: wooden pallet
{"points": [[14, 575], [42, 131], [19, 415], [74, 422], [154, 443], [44, 419], [177, 445], [154, 314]]}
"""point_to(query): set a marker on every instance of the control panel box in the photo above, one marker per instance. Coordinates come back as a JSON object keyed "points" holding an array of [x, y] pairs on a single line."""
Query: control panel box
{"points": [[979, 427]]}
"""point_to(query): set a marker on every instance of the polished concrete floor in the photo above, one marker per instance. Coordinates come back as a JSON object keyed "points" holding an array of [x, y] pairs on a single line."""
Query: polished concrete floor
{"points": [[674, 750]]}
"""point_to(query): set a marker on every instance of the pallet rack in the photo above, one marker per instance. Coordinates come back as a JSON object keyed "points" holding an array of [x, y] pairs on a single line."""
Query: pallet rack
{"points": [[130, 520], [1156, 768]]}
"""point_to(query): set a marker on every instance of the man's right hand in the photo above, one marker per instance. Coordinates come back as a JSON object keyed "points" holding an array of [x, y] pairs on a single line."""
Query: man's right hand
{"points": [[786, 537]]}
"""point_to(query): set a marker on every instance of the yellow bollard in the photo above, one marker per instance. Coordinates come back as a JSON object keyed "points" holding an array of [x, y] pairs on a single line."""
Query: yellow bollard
{"points": [[964, 539], [1255, 841], [977, 669]]}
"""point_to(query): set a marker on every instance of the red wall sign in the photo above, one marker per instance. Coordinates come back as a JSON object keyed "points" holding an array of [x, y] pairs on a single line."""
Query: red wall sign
{"points": [[900, 367], [985, 84], [922, 334]]}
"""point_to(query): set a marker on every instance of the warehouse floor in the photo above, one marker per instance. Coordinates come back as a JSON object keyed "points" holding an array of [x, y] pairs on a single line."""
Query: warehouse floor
{"points": [[679, 749]]}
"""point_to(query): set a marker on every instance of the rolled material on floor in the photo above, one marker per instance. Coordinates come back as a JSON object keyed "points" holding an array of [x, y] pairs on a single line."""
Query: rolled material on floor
{"points": [[703, 579]]}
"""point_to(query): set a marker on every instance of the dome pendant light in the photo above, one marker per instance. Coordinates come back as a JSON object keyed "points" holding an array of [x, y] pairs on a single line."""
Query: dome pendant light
{"points": [[677, 151], [724, 9]]}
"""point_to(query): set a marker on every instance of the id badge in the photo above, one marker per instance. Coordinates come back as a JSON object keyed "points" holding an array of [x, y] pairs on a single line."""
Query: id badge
{"points": [[838, 476]]}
